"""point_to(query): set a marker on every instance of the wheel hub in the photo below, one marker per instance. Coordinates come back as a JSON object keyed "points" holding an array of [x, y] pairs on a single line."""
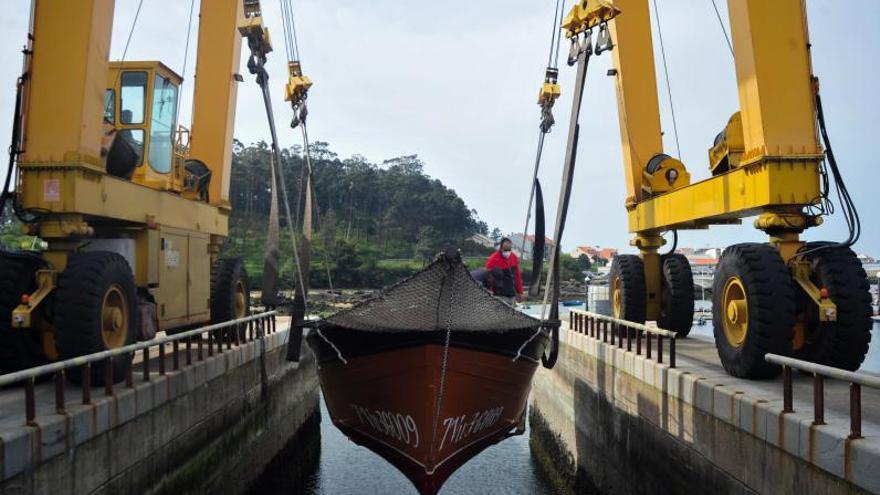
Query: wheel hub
{"points": [[114, 317], [736, 312], [616, 297]]}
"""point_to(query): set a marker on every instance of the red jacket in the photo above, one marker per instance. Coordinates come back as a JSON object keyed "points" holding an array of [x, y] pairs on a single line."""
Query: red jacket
{"points": [[497, 261]]}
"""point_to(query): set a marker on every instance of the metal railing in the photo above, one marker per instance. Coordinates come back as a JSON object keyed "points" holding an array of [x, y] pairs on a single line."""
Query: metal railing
{"points": [[233, 332], [622, 333], [820, 372]]}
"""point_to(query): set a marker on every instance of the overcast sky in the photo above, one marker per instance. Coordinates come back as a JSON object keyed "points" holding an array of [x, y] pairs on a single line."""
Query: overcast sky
{"points": [[455, 82]]}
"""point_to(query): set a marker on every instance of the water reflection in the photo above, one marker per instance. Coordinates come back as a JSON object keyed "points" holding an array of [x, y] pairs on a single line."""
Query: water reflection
{"points": [[341, 467]]}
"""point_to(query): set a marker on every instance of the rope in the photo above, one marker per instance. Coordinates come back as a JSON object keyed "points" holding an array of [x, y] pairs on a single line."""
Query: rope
{"points": [[723, 29], [666, 73]]}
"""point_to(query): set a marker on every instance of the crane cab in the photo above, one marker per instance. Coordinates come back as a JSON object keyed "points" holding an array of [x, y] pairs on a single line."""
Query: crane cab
{"points": [[141, 139]]}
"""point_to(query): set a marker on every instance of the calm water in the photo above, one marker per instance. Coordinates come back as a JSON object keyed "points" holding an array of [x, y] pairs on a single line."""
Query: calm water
{"points": [[340, 467]]}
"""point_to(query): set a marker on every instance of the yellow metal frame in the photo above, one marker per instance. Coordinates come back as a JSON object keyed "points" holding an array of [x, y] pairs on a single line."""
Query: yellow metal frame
{"points": [[801, 271], [47, 280]]}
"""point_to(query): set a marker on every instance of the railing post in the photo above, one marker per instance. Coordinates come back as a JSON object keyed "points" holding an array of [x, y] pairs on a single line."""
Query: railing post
{"points": [[617, 330], [629, 340], [189, 360], [571, 320], [660, 348], [648, 344], [87, 383], [787, 399], [639, 342], [30, 405], [162, 358], [175, 348], [855, 410], [672, 352], [129, 370], [108, 376], [818, 399], [199, 348], [59, 392], [146, 359], [210, 344]]}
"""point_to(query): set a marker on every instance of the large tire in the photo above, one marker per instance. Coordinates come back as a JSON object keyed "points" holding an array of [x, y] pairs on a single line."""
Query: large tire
{"points": [[96, 310], [628, 292], [760, 322], [19, 348], [677, 311], [842, 343], [230, 291]]}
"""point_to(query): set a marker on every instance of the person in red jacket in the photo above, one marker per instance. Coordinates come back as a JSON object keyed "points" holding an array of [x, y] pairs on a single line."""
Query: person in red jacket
{"points": [[504, 266]]}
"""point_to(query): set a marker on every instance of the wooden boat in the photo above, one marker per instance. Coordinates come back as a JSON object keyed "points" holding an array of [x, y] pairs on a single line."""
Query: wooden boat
{"points": [[430, 373]]}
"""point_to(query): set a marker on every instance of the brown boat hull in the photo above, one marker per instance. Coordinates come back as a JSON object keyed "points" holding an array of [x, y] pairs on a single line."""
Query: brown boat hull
{"points": [[426, 410]]}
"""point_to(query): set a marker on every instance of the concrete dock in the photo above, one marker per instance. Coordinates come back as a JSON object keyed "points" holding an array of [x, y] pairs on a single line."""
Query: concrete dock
{"points": [[211, 426], [609, 420]]}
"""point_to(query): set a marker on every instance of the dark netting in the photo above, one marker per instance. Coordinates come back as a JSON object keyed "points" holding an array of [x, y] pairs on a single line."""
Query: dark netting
{"points": [[441, 296]]}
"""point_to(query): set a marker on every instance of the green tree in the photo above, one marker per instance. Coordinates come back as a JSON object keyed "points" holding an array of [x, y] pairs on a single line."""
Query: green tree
{"points": [[584, 263]]}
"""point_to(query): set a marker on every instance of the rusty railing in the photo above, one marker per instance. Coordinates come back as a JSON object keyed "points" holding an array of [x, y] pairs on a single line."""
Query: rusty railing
{"points": [[233, 332], [820, 373], [622, 333]]}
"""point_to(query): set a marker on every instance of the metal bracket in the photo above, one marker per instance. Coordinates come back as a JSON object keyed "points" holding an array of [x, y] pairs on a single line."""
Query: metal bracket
{"points": [[47, 280], [800, 272]]}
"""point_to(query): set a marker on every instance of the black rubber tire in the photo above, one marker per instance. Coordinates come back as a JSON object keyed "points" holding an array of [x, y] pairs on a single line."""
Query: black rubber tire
{"points": [[677, 311], [770, 295], [19, 348], [225, 275], [630, 270], [843, 343], [78, 306]]}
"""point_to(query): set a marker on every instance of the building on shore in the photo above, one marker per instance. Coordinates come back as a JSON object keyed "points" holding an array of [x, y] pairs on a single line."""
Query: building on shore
{"points": [[523, 250], [595, 254]]}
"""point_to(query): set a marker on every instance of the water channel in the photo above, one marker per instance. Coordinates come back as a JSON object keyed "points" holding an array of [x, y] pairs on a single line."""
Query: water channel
{"points": [[325, 462]]}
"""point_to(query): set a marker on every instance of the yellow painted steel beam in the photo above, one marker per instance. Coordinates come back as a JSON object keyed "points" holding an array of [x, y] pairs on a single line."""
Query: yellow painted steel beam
{"points": [[776, 88], [67, 75], [75, 189], [215, 92], [637, 105], [763, 186]]}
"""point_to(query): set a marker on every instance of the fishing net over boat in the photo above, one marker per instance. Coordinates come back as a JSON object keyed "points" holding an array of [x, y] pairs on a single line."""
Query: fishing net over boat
{"points": [[441, 296]]}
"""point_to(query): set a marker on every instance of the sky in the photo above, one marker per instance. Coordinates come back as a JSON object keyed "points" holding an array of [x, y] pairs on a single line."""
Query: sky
{"points": [[456, 83]]}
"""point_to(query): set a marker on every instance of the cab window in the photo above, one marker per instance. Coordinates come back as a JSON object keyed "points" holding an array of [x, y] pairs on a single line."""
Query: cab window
{"points": [[133, 95], [162, 119], [110, 106]]}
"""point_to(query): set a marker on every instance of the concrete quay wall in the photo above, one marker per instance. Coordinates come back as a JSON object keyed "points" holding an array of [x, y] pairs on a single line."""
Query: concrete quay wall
{"points": [[609, 421], [210, 427]]}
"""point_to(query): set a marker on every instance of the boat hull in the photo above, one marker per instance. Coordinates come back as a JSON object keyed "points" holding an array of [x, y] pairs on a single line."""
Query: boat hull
{"points": [[428, 409]]}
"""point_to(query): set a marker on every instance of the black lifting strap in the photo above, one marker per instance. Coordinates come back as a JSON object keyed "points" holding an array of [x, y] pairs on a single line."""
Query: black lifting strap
{"points": [[255, 65], [538, 245], [584, 51]]}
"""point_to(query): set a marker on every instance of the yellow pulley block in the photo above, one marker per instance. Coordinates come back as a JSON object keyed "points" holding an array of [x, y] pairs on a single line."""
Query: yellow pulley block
{"points": [[587, 14], [297, 83]]}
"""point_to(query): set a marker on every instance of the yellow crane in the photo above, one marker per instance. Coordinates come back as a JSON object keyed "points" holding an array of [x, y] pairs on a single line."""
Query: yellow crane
{"points": [[133, 207], [786, 296]]}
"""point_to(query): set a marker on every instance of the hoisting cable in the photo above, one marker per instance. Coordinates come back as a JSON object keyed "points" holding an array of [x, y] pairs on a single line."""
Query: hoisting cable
{"points": [[666, 74], [192, 4], [723, 29], [547, 96]]}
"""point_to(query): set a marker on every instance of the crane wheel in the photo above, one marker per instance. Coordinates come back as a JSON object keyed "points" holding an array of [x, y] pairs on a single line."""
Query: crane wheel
{"points": [[628, 293], [753, 301], [19, 348], [677, 311], [842, 343], [230, 291], [96, 310]]}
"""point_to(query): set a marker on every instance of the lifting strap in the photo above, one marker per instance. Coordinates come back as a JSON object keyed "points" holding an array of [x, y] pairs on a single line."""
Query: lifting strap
{"points": [[580, 54]]}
